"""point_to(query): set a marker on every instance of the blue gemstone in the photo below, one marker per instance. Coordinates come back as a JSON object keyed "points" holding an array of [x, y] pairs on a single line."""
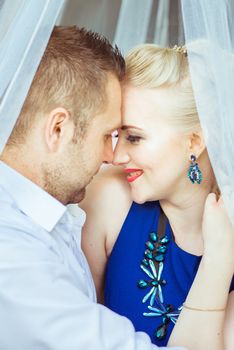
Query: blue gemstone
{"points": [[161, 249], [159, 257], [148, 254], [169, 308], [149, 245], [164, 240], [165, 320], [154, 283], [161, 332], [142, 284], [193, 158], [145, 262], [153, 236]]}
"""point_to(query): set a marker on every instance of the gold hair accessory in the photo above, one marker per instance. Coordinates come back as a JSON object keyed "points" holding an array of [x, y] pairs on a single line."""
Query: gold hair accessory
{"points": [[197, 309], [181, 49]]}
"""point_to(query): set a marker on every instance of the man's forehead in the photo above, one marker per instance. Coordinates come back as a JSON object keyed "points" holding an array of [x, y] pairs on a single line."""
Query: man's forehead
{"points": [[108, 122], [114, 120], [117, 125]]}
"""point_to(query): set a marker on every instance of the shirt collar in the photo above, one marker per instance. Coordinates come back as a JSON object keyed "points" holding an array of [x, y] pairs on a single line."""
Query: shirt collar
{"points": [[32, 200], [78, 214]]}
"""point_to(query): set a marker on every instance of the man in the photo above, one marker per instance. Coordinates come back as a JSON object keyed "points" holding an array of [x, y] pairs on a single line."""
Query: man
{"points": [[63, 134]]}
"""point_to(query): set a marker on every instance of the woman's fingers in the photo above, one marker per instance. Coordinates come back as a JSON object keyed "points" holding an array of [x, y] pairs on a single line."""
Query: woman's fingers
{"points": [[218, 231], [210, 200]]}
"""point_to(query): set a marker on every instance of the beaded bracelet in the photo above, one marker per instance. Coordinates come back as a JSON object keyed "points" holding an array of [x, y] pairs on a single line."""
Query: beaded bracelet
{"points": [[197, 309]]}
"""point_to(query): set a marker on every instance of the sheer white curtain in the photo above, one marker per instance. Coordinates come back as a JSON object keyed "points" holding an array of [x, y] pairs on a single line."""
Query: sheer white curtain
{"points": [[98, 15], [25, 27], [133, 23], [128, 22], [157, 21], [209, 33]]}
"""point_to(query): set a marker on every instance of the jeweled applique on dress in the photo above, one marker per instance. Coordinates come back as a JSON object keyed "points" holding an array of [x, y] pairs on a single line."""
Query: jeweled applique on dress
{"points": [[152, 265]]}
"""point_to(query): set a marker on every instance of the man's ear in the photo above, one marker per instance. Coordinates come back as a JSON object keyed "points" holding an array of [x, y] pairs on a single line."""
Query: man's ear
{"points": [[57, 127], [196, 144]]}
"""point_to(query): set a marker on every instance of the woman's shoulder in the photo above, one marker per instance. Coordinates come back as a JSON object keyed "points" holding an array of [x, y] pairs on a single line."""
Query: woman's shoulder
{"points": [[110, 183], [107, 199]]}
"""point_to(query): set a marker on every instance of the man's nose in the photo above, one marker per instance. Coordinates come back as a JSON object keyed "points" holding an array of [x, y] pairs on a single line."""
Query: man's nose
{"points": [[108, 152]]}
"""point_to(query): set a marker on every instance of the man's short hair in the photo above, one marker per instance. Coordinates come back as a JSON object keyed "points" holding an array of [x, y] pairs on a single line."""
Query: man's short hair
{"points": [[72, 74]]}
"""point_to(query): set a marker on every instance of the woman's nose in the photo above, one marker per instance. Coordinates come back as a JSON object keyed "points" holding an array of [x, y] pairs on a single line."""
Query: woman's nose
{"points": [[121, 156]]}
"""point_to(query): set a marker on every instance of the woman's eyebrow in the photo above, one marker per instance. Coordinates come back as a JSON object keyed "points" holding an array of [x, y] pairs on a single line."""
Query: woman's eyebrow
{"points": [[125, 127]]}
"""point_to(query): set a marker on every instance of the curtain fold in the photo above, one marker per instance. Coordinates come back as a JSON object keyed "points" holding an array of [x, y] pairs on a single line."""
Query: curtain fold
{"points": [[133, 22], [162, 23], [98, 15], [25, 28], [157, 21], [209, 34]]}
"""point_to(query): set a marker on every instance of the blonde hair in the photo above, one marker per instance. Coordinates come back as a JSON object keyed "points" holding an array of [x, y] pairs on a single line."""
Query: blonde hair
{"points": [[150, 66], [153, 67]]}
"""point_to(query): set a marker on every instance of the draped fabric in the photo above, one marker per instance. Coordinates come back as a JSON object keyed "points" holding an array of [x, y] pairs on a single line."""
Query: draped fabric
{"points": [[209, 34], [128, 22], [133, 23], [98, 15], [25, 27], [157, 21]]}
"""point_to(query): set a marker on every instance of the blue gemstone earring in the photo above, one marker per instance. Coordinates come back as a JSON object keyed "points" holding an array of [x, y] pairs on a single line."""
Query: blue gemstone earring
{"points": [[194, 173]]}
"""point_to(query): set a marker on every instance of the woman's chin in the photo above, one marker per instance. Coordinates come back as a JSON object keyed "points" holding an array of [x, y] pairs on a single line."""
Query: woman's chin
{"points": [[139, 199], [142, 197]]}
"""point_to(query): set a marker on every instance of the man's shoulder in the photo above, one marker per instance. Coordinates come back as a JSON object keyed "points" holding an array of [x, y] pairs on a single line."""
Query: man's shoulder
{"points": [[16, 228], [11, 217], [22, 241]]}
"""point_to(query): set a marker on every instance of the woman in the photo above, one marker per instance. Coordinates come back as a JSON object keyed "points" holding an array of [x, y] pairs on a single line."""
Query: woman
{"points": [[145, 254]]}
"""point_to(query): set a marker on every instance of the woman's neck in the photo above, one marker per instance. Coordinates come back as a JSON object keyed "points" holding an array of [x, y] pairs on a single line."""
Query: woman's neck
{"points": [[185, 216]]}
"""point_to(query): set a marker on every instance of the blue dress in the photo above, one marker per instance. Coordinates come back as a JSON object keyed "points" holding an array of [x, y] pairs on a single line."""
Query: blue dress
{"points": [[123, 291]]}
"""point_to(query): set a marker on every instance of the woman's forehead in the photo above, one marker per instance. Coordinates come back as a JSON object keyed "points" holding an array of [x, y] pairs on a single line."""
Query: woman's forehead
{"points": [[143, 103]]}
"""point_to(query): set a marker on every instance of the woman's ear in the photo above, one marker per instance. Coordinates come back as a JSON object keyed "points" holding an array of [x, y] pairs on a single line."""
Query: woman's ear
{"points": [[57, 127], [196, 144]]}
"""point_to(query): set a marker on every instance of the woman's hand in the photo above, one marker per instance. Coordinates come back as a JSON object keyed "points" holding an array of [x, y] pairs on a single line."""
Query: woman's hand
{"points": [[218, 232]]}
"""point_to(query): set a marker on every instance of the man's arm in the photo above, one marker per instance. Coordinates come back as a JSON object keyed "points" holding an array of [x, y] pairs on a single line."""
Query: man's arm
{"points": [[43, 307]]}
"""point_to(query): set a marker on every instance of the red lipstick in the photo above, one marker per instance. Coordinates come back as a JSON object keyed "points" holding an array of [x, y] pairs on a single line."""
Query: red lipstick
{"points": [[133, 174]]}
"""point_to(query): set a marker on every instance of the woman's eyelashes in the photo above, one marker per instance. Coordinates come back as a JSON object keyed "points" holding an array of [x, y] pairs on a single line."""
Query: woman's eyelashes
{"points": [[123, 134], [133, 138]]}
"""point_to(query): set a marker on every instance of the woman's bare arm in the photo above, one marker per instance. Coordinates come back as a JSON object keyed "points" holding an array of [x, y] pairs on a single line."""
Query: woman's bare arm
{"points": [[106, 204], [202, 327], [229, 324]]}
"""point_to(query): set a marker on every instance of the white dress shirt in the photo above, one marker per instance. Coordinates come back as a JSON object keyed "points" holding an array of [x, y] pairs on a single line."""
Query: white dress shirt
{"points": [[47, 295]]}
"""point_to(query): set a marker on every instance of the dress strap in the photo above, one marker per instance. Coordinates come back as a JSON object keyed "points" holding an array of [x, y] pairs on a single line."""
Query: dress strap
{"points": [[162, 222]]}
